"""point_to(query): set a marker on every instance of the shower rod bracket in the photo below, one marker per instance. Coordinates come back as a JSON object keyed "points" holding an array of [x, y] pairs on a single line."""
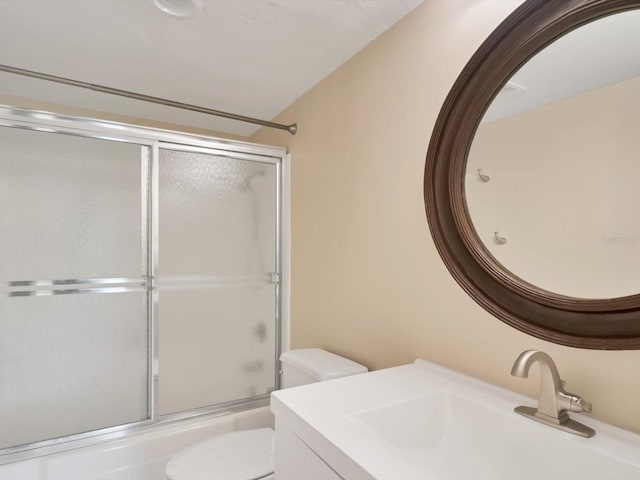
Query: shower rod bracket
{"points": [[292, 129]]}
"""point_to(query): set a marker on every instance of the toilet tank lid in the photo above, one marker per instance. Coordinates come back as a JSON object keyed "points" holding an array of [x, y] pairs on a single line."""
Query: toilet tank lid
{"points": [[320, 364]]}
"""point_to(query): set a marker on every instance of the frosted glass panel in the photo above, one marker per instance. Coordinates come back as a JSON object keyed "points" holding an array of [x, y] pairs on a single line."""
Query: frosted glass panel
{"points": [[74, 343], [71, 364], [216, 345], [217, 215], [69, 207]]}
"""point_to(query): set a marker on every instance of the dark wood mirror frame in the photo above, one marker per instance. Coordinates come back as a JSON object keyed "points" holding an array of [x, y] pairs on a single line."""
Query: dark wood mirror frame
{"points": [[606, 324]]}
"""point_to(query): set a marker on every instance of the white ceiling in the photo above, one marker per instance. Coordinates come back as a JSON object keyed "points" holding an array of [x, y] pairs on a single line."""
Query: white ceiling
{"points": [[251, 57], [595, 55]]}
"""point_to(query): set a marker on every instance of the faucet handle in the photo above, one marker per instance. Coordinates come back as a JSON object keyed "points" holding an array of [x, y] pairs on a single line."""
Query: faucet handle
{"points": [[571, 402], [579, 404]]}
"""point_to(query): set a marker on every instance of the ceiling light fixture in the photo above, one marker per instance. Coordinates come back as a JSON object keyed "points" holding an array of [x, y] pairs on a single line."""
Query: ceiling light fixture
{"points": [[180, 8]]}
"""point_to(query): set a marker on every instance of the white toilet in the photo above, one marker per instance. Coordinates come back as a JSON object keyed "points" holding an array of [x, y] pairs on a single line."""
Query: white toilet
{"points": [[248, 454]]}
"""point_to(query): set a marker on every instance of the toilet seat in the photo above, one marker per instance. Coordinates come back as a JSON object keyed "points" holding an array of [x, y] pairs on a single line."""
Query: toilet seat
{"points": [[240, 455]]}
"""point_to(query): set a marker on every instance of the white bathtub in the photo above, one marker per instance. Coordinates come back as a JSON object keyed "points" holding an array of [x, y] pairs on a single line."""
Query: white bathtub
{"points": [[137, 457]]}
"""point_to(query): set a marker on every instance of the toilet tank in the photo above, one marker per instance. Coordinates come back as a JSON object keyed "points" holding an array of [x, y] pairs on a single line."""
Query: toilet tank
{"points": [[310, 365]]}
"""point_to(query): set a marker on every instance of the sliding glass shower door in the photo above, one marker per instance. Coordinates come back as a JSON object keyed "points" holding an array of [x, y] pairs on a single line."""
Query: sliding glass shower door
{"points": [[216, 278], [139, 278], [73, 317]]}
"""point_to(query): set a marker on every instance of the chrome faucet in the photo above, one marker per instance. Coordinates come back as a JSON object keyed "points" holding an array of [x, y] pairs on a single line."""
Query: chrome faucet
{"points": [[554, 401]]}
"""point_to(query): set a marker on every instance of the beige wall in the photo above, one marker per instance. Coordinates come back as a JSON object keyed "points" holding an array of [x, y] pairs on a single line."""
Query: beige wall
{"points": [[367, 281], [564, 192]]}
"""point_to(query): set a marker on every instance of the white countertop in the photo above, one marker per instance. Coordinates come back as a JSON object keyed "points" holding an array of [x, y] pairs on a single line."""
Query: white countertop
{"points": [[328, 417]]}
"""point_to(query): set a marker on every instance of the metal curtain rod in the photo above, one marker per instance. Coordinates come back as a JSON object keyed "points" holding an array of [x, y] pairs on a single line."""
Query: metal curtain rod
{"points": [[292, 129]]}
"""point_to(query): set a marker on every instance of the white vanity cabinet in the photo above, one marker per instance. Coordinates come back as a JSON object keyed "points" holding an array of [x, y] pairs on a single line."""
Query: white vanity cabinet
{"points": [[294, 460]]}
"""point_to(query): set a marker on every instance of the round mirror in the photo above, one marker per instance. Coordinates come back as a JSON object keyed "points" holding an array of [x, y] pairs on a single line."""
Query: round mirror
{"points": [[531, 182], [552, 176]]}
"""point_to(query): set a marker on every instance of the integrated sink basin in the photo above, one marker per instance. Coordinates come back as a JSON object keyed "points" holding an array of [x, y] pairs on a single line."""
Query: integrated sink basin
{"points": [[415, 426], [457, 437], [422, 421]]}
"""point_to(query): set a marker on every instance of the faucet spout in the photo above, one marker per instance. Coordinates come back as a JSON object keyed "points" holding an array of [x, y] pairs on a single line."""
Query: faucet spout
{"points": [[554, 401], [550, 383], [528, 358]]}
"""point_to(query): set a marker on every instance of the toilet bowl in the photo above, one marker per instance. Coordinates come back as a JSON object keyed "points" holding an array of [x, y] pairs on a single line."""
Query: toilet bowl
{"points": [[240, 455], [248, 454]]}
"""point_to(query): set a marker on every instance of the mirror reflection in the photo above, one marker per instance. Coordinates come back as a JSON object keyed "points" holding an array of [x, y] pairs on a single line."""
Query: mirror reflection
{"points": [[552, 180]]}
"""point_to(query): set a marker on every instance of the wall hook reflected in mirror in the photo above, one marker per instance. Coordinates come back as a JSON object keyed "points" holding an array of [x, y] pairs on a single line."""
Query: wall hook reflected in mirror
{"points": [[499, 240], [483, 176]]}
